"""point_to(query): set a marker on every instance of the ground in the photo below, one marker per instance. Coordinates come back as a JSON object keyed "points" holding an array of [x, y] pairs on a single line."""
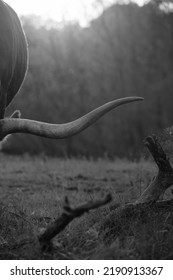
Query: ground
{"points": [[32, 192]]}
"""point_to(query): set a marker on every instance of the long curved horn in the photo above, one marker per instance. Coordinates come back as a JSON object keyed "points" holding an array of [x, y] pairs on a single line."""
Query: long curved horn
{"points": [[59, 131]]}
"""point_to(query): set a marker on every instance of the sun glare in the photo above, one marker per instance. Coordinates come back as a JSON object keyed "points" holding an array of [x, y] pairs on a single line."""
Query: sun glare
{"points": [[60, 10]]}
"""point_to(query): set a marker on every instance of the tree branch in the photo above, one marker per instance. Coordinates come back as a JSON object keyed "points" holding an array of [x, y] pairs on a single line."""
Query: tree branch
{"points": [[67, 216]]}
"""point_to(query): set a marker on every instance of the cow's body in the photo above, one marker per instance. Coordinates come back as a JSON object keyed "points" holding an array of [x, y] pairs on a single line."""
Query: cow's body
{"points": [[13, 53]]}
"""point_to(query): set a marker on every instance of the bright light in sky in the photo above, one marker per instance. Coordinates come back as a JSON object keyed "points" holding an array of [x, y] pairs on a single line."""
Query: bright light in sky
{"points": [[60, 10]]}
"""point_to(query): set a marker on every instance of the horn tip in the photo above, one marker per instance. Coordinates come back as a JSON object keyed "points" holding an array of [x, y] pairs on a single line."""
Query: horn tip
{"points": [[137, 98]]}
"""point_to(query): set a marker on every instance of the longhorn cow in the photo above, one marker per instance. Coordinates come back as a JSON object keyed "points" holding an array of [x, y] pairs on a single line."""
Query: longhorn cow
{"points": [[13, 69]]}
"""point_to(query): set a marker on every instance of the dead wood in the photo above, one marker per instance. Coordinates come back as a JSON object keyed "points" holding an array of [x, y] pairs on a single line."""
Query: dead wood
{"points": [[160, 183], [67, 216], [147, 205], [164, 178], [141, 209]]}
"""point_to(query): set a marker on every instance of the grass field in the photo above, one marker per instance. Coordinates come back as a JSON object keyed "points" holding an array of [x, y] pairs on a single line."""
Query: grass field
{"points": [[32, 191]]}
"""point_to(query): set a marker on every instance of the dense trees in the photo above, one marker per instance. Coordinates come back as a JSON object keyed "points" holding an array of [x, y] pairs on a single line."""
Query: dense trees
{"points": [[127, 51]]}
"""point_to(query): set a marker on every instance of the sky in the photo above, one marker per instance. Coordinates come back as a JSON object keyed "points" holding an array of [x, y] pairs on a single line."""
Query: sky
{"points": [[60, 10]]}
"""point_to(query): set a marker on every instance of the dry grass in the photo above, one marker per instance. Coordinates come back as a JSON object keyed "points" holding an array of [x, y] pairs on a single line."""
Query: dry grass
{"points": [[32, 191]]}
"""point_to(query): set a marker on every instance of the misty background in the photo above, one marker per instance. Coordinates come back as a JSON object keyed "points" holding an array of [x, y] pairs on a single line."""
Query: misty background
{"points": [[126, 51]]}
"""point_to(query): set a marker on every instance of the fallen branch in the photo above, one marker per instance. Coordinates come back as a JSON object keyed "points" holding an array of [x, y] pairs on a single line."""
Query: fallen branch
{"points": [[67, 216], [124, 215]]}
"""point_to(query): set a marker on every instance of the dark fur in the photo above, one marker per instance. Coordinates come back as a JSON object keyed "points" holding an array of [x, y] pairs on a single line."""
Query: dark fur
{"points": [[13, 54]]}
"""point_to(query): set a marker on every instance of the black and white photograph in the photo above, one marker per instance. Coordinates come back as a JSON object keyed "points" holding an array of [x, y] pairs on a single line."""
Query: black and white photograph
{"points": [[86, 131]]}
